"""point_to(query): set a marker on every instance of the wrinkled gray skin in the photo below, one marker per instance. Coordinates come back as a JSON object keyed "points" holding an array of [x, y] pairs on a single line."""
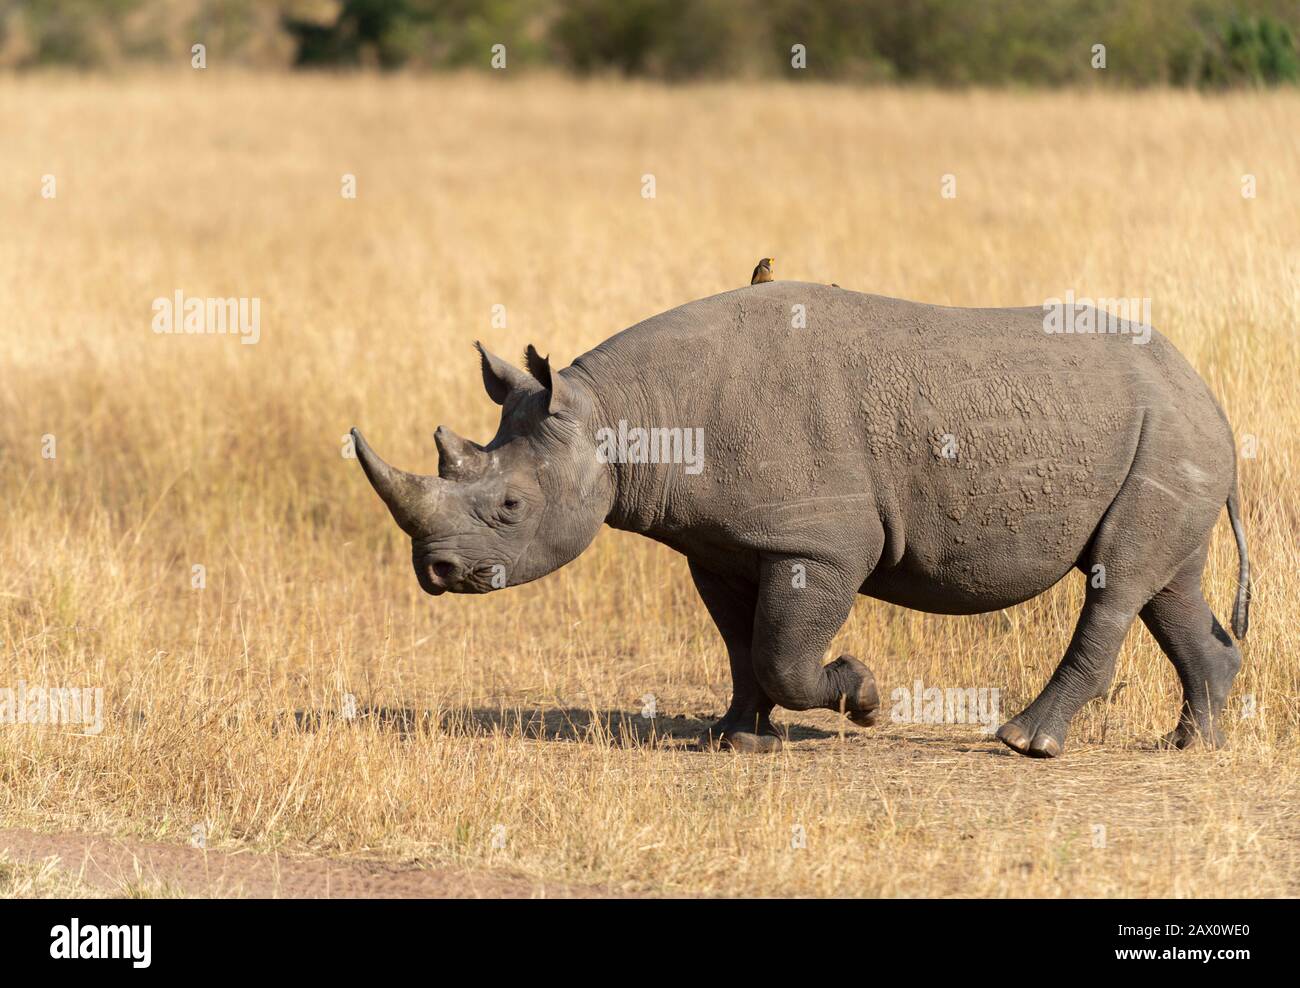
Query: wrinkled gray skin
{"points": [[825, 455]]}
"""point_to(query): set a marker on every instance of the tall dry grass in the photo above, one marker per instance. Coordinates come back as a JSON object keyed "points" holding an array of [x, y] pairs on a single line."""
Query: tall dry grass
{"points": [[523, 706]]}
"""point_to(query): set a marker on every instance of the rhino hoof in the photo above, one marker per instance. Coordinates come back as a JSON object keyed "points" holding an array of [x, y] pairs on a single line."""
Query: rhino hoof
{"points": [[752, 744], [743, 742], [1188, 736], [1044, 746], [1041, 745]]}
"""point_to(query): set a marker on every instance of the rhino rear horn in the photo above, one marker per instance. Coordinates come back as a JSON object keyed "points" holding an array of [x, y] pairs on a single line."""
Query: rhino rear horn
{"points": [[458, 459], [412, 498]]}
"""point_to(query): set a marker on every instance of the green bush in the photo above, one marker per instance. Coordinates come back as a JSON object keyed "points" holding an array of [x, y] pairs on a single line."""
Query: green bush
{"points": [[1252, 51], [1210, 43], [669, 39]]}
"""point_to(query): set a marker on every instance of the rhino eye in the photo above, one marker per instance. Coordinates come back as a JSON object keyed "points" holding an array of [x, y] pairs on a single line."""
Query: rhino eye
{"points": [[510, 504]]}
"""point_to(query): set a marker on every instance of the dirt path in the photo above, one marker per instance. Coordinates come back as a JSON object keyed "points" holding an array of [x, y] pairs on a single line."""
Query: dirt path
{"points": [[115, 865]]}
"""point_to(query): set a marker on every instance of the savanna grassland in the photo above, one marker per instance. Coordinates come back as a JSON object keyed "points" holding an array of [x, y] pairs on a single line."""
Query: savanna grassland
{"points": [[505, 731]]}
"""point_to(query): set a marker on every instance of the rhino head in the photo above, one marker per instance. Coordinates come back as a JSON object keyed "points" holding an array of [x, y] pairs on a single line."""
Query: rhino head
{"points": [[511, 511]]}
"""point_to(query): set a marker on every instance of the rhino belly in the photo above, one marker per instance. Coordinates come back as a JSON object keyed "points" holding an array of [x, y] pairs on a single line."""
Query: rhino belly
{"points": [[987, 561]]}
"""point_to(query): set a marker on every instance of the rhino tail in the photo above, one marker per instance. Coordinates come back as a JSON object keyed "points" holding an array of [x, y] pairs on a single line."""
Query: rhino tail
{"points": [[1241, 606]]}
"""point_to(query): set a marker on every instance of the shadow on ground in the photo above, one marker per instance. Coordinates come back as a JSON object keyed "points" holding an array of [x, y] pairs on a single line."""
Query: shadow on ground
{"points": [[620, 728]]}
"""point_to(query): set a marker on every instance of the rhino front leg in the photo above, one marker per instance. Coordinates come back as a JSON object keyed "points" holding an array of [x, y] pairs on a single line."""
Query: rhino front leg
{"points": [[747, 724], [802, 603]]}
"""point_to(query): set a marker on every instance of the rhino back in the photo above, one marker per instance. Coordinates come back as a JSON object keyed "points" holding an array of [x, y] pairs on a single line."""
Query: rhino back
{"points": [[982, 443]]}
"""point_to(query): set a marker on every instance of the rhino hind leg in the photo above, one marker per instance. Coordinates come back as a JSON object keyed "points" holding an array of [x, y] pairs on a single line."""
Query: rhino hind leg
{"points": [[1143, 542], [1084, 674], [1202, 652]]}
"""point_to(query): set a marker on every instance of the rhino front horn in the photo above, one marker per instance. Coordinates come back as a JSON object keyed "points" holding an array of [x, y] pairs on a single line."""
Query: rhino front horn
{"points": [[412, 498]]}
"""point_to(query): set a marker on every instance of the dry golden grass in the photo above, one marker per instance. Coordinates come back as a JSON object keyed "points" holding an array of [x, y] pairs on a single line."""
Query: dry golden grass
{"points": [[175, 451]]}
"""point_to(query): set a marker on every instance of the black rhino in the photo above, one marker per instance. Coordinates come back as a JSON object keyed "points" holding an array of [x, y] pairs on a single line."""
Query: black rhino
{"points": [[945, 459]]}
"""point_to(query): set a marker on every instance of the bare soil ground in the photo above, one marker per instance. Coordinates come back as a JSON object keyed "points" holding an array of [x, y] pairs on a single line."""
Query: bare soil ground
{"points": [[128, 867]]}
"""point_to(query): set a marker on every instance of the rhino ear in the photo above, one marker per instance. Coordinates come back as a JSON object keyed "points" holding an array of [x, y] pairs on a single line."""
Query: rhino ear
{"points": [[540, 368], [499, 378]]}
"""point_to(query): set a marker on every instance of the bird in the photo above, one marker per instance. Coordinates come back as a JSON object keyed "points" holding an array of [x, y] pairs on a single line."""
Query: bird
{"points": [[763, 272]]}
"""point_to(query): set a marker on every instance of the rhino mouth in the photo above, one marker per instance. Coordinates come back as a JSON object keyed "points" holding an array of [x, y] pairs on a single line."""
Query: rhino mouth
{"points": [[439, 575]]}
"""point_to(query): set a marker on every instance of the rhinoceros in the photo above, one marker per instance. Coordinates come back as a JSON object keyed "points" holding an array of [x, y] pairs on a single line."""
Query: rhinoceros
{"points": [[950, 460]]}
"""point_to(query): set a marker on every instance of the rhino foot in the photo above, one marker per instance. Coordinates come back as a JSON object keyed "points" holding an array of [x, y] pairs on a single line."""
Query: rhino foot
{"points": [[859, 698], [747, 743], [1034, 742], [1189, 735], [747, 737]]}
